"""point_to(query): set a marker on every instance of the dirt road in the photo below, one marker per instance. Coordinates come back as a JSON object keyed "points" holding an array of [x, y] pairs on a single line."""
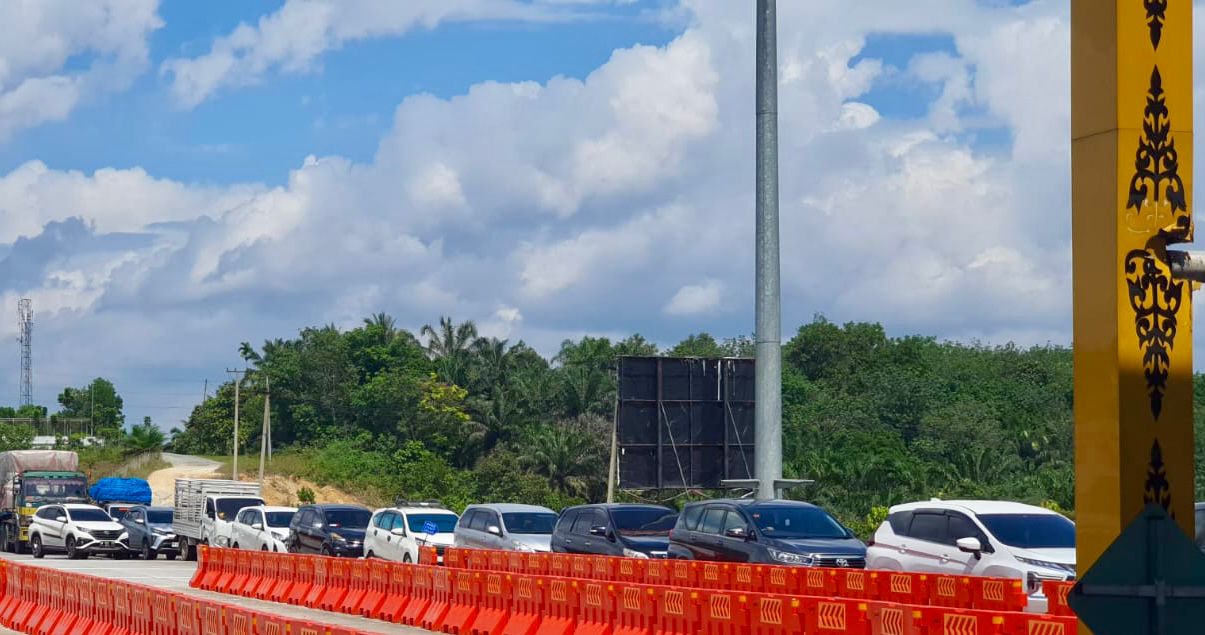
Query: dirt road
{"points": [[163, 482]]}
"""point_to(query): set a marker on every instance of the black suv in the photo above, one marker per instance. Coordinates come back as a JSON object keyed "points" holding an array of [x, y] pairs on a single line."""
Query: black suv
{"points": [[635, 531], [331, 530], [767, 532]]}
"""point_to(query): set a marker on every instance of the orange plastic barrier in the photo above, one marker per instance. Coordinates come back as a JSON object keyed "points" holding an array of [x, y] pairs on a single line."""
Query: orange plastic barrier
{"points": [[420, 595], [441, 599], [630, 570], [902, 588], [894, 619], [269, 575], [463, 603], [634, 609], [399, 595], [494, 603], [677, 611], [684, 573], [560, 607], [949, 621], [455, 557], [1031, 624], [596, 608], [1056, 597], [836, 616], [378, 588], [559, 565], [338, 584], [474, 559], [304, 584], [724, 613], [998, 594], [318, 582], [496, 560], [581, 567], [514, 561], [285, 574], [240, 622], [657, 572], [225, 565], [428, 555], [715, 575], [208, 569], [358, 574], [526, 606], [787, 580], [537, 563], [255, 573], [952, 591], [776, 614]]}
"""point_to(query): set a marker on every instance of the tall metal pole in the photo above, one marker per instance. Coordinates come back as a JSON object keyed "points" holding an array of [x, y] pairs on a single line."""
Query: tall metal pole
{"points": [[263, 434], [238, 377], [767, 457]]}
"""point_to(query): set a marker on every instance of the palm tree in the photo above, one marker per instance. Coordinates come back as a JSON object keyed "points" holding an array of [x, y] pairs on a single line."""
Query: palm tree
{"points": [[563, 454], [385, 323], [450, 346], [248, 353]]}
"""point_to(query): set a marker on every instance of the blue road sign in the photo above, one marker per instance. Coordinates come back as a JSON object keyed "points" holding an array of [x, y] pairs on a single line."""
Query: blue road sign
{"points": [[1150, 581]]}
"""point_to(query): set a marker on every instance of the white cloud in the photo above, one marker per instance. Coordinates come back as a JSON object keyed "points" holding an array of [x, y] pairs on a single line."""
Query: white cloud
{"points": [[695, 298], [38, 39], [294, 37]]}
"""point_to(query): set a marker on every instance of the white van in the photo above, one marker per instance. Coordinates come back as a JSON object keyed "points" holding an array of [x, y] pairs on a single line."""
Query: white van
{"points": [[396, 533], [983, 538]]}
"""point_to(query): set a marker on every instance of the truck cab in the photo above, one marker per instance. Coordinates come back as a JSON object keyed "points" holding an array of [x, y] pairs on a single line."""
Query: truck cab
{"points": [[220, 513], [206, 509], [31, 490]]}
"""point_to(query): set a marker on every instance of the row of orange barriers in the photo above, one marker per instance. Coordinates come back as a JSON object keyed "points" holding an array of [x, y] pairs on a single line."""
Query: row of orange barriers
{"points": [[924, 589], [489, 602], [44, 601]]}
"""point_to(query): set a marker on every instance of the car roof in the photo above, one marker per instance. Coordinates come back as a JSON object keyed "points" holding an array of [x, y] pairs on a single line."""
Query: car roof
{"points": [[621, 506], [157, 508], [78, 506], [330, 506], [272, 508], [749, 503], [976, 507], [508, 508], [418, 510]]}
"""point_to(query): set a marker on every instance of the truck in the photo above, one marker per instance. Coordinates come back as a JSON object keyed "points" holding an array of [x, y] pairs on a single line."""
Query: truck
{"points": [[205, 510], [117, 495], [30, 479]]}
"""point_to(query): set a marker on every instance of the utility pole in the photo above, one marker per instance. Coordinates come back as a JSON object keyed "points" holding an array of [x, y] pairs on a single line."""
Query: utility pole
{"points": [[92, 406], [205, 391], [264, 443], [767, 411], [25, 331], [238, 375]]}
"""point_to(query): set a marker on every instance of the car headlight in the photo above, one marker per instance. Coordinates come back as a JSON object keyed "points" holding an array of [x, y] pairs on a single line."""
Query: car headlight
{"points": [[83, 533], [337, 538], [632, 553], [787, 557], [161, 532], [1046, 564]]}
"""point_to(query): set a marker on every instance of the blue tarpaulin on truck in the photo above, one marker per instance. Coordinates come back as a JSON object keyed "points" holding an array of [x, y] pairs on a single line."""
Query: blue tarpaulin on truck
{"points": [[124, 490]]}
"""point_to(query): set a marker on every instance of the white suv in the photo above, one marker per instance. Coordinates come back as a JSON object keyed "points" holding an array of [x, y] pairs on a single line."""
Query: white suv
{"points": [[396, 533], [262, 528], [985, 538], [79, 530]]}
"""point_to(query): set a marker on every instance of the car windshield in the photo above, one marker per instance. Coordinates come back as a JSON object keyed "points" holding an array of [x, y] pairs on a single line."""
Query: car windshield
{"points": [[279, 519], [88, 515], [643, 521], [228, 507], [796, 522], [443, 523], [159, 516], [41, 489], [349, 518], [1031, 531], [529, 522]]}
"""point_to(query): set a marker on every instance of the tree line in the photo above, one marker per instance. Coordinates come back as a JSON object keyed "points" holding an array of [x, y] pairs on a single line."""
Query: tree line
{"points": [[874, 420]]}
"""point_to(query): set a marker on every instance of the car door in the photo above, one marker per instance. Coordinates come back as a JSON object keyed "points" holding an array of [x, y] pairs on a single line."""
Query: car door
{"points": [[403, 544], [43, 521], [736, 549], [375, 536], [388, 543], [562, 533], [132, 522], [583, 542], [56, 526], [257, 536], [708, 537], [491, 518], [465, 536], [961, 526], [928, 549], [301, 538]]}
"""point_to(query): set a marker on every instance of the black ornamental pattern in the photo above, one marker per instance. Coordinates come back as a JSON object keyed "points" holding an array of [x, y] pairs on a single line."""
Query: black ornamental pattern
{"points": [[1156, 15], [1155, 299], [1157, 489], [1156, 178]]}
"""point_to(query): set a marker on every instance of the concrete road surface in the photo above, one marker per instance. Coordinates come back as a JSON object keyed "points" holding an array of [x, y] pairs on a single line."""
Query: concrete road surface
{"points": [[174, 575]]}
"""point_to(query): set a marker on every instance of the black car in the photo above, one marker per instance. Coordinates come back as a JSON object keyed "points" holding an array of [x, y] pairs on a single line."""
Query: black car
{"points": [[331, 530], [149, 532], [635, 531], [768, 532]]}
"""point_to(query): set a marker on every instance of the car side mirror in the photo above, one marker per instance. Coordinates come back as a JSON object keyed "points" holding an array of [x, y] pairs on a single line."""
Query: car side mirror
{"points": [[599, 531], [495, 530], [398, 531], [737, 532], [61, 519], [970, 545], [257, 526]]}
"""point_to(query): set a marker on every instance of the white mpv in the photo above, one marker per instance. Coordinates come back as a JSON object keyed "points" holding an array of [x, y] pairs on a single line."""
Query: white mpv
{"points": [[984, 538], [396, 533], [77, 530], [262, 528]]}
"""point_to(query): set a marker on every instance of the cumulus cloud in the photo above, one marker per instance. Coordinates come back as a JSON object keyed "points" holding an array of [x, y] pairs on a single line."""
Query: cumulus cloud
{"points": [[38, 39], [621, 201]]}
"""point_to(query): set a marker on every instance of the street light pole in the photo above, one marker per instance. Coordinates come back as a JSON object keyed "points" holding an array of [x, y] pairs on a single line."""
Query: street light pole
{"points": [[767, 451]]}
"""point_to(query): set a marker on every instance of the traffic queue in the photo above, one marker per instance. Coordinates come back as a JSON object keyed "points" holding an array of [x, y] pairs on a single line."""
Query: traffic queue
{"points": [[982, 538]]}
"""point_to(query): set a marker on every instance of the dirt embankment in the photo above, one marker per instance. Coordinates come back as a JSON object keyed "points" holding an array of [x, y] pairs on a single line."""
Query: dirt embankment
{"points": [[278, 489]]}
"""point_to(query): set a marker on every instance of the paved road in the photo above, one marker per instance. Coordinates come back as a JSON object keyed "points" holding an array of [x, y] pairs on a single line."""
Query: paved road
{"points": [[175, 574], [163, 482]]}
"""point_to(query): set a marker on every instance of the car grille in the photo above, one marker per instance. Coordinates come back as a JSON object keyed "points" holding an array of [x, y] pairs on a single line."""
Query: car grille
{"points": [[841, 562], [105, 534]]}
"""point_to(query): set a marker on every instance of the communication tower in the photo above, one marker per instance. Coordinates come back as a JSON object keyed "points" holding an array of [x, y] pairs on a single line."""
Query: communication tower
{"points": [[25, 325]]}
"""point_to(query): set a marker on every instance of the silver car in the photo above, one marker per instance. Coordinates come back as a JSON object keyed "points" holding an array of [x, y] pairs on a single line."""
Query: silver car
{"points": [[505, 527]]}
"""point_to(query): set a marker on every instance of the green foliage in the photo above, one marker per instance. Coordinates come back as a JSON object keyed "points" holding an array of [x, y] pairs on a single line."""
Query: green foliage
{"points": [[144, 437], [97, 401], [305, 495]]}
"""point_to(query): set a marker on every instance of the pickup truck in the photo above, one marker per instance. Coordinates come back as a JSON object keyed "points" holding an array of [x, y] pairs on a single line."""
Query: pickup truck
{"points": [[205, 511]]}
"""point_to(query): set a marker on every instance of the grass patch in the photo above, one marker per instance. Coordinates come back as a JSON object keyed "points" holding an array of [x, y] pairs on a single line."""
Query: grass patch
{"points": [[143, 471]]}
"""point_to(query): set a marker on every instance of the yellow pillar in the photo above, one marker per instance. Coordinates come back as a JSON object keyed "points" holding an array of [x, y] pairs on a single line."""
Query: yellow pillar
{"points": [[1131, 130]]}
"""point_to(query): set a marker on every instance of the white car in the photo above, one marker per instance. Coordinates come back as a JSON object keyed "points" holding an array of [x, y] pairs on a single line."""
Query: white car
{"points": [[507, 527], [77, 530], [984, 538], [396, 533], [262, 528]]}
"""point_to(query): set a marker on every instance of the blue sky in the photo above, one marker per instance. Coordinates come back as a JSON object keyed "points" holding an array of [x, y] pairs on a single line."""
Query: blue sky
{"points": [[178, 177]]}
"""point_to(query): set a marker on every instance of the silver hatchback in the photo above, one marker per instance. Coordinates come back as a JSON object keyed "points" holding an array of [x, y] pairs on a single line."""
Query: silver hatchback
{"points": [[505, 527]]}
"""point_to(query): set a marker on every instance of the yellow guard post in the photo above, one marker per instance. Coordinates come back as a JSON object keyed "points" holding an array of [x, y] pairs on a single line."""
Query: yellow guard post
{"points": [[1131, 131]]}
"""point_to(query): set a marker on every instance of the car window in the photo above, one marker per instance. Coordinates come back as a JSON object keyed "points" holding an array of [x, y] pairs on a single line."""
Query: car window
{"points": [[490, 519], [160, 516], [962, 527], [691, 517], [315, 519], [564, 524], [241, 518], [585, 520], [304, 518], [45, 513], [643, 521], [474, 521], [529, 522], [713, 520], [899, 522], [349, 518], [383, 520], [734, 520], [134, 515], [89, 515], [928, 526], [1031, 531]]}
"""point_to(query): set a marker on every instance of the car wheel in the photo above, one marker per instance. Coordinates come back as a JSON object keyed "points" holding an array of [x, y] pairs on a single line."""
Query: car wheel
{"points": [[36, 546], [121, 555], [406, 558], [4, 540], [234, 546], [147, 552], [264, 548], [72, 552], [326, 551], [170, 555]]}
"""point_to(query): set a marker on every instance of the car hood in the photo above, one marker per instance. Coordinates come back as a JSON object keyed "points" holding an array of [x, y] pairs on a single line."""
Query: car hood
{"points": [[826, 546], [350, 533], [1057, 556], [538, 542], [647, 543], [161, 526], [99, 525], [435, 540]]}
